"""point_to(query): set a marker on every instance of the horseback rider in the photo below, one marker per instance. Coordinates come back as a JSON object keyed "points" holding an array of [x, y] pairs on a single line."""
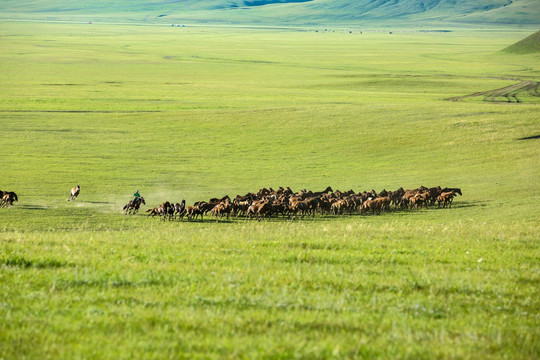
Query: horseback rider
{"points": [[136, 197]]}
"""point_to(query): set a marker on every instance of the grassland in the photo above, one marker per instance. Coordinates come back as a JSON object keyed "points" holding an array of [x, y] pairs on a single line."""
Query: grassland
{"points": [[196, 112], [531, 44]]}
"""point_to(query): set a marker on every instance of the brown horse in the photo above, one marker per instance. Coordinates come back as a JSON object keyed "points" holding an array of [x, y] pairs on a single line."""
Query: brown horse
{"points": [[7, 198], [192, 212], [167, 210], [180, 209], [446, 198], [74, 193], [154, 211], [133, 208], [223, 208], [371, 205], [455, 190]]}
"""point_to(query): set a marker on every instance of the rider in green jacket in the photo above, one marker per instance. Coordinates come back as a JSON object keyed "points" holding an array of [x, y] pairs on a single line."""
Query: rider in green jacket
{"points": [[136, 197]]}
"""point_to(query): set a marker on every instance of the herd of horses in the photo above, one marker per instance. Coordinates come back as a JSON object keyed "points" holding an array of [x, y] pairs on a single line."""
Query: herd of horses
{"points": [[268, 203]]}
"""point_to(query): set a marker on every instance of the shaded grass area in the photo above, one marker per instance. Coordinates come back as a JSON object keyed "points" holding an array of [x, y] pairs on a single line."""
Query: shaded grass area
{"points": [[226, 111]]}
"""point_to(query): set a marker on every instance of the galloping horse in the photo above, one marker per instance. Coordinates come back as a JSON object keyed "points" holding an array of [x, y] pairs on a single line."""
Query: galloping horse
{"points": [[74, 193], [133, 207], [455, 190], [7, 198]]}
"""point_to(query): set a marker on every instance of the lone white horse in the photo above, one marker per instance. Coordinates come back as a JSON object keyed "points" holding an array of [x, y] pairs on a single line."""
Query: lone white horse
{"points": [[74, 193]]}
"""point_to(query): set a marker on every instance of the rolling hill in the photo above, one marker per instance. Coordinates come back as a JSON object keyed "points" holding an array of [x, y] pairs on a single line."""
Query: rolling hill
{"points": [[531, 44], [283, 12]]}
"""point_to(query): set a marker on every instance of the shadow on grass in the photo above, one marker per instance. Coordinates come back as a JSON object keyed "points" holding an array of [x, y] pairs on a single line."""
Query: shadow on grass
{"points": [[530, 137], [394, 213], [33, 207], [469, 204], [97, 202]]}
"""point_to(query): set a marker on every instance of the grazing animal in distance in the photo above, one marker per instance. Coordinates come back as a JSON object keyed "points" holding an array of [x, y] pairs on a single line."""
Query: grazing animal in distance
{"points": [[74, 193]]}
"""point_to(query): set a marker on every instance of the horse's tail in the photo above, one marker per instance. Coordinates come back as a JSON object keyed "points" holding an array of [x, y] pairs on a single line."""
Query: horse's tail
{"points": [[15, 198], [125, 207]]}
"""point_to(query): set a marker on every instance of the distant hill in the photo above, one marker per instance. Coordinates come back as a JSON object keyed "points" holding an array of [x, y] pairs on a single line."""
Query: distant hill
{"points": [[283, 12], [530, 44]]}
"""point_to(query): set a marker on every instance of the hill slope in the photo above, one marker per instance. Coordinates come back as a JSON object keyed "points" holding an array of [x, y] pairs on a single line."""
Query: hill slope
{"points": [[288, 12], [530, 44]]}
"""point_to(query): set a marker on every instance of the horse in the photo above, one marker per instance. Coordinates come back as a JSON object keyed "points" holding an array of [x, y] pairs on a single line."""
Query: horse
{"points": [[133, 207], [372, 205], [455, 190], [74, 193], [154, 211], [7, 198], [223, 208], [216, 201], [180, 209], [197, 209], [446, 198], [325, 191], [167, 210]]}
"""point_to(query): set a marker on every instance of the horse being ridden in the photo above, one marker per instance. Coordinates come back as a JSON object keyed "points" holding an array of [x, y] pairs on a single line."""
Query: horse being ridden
{"points": [[132, 207]]}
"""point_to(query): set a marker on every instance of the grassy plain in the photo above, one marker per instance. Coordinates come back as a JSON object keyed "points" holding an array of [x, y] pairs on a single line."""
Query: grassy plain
{"points": [[197, 112]]}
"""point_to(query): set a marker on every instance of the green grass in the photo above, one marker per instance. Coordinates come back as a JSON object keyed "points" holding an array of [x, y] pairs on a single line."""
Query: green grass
{"points": [[198, 112], [531, 44]]}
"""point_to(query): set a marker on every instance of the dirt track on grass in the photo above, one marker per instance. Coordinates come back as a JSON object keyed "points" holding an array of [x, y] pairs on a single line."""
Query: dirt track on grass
{"points": [[507, 94]]}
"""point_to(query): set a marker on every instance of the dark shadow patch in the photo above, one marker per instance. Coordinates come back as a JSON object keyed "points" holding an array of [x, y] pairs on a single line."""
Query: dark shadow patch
{"points": [[110, 283], [33, 207], [530, 137], [83, 111], [117, 283], [99, 202], [62, 84], [530, 281], [50, 130], [24, 263]]}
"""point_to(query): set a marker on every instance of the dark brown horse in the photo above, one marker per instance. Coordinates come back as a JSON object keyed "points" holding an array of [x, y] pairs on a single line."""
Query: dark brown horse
{"points": [[7, 198], [455, 190], [167, 210], [133, 207], [180, 209]]}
